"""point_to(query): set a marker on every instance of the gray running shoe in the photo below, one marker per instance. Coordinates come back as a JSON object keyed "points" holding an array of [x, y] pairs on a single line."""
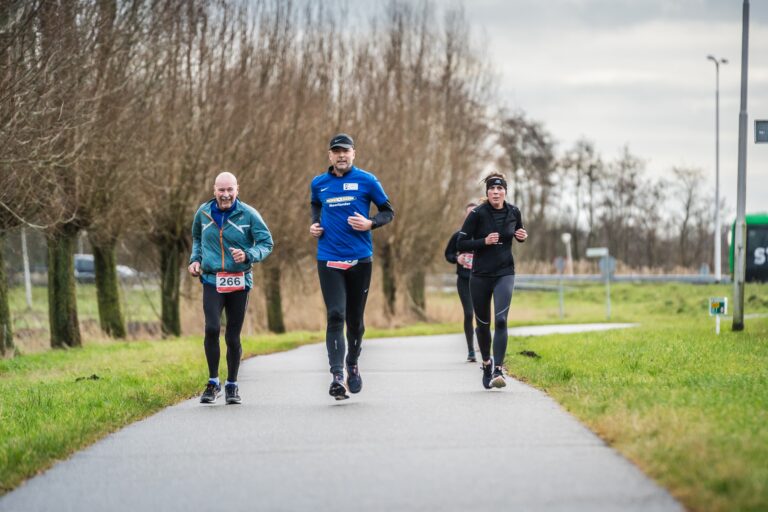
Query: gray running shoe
{"points": [[211, 393], [338, 390], [487, 374], [498, 380], [231, 394], [354, 380]]}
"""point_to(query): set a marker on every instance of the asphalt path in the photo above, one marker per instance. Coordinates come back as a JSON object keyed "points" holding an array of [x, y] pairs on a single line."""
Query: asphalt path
{"points": [[422, 435]]}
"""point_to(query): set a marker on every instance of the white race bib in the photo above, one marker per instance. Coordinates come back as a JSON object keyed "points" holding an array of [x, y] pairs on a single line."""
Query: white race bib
{"points": [[230, 281], [342, 265]]}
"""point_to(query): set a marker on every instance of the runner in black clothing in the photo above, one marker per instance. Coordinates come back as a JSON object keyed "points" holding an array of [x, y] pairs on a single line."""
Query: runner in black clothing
{"points": [[463, 261], [488, 231], [340, 202]]}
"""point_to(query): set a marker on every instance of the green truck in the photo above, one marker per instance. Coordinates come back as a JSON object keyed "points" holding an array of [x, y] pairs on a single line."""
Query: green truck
{"points": [[757, 247]]}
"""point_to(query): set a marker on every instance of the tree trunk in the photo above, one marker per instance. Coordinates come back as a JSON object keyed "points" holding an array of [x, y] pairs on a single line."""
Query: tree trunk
{"points": [[62, 300], [7, 347], [388, 278], [273, 297], [416, 287], [170, 260], [107, 289]]}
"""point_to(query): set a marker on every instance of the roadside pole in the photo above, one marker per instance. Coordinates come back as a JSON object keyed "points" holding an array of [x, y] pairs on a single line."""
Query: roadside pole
{"points": [[606, 267], [740, 238], [25, 260], [560, 264]]}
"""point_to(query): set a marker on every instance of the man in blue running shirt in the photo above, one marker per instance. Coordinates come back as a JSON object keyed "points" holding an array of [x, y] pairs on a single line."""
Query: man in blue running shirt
{"points": [[341, 200]]}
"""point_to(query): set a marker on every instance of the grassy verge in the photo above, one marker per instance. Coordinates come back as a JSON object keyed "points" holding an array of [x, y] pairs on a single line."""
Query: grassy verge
{"points": [[60, 401], [688, 407]]}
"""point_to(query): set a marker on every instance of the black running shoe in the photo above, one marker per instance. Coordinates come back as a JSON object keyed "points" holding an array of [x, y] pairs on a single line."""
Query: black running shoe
{"points": [[498, 380], [471, 358], [354, 380], [211, 393], [487, 374], [337, 390], [231, 394]]}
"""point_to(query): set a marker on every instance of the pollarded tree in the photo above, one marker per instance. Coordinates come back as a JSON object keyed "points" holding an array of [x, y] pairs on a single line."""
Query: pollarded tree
{"points": [[43, 135], [109, 162], [185, 55], [421, 93]]}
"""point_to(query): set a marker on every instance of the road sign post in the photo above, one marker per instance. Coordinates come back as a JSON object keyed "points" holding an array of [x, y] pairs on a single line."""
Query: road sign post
{"points": [[607, 266], [560, 267], [718, 306]]}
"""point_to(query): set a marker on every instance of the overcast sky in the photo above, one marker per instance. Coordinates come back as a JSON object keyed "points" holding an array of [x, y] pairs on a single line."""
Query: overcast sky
{"points": [[635, 72]]}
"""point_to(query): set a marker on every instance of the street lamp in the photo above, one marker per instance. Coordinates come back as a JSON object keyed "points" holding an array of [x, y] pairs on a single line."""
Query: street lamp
{"points": [[566, 238], [717, 62]]}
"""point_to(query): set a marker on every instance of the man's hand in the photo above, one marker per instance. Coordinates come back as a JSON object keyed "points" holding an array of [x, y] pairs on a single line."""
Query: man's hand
{"points": [[463, 260], [316, 230], [194, 268], [237, 254], [521, 234], [359, 223]]}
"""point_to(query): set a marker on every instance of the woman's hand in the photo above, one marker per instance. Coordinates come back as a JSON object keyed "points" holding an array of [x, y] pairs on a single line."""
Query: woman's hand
{"points": [[493, 238], [521, 234]]}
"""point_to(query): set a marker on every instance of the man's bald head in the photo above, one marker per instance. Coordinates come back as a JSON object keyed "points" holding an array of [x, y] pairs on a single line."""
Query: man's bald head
{"points": [[225, 177], [225, 190]]}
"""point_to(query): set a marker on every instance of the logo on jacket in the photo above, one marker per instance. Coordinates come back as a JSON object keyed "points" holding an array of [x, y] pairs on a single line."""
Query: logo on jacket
{"points": [[350, 186], [341, 199]]}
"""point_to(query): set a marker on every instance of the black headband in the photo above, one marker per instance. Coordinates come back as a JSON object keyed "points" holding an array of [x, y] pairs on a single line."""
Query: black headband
{"points": [[496, 181]]}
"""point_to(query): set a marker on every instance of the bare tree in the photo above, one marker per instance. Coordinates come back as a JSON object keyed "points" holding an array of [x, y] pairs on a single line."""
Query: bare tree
{"points": [[691, 213], [183, 56], [529, 155], [584, 167], [421, 93], [621, 202]]}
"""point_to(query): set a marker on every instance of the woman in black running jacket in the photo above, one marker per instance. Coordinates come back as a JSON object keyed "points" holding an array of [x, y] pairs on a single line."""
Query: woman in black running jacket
{"points": [[463, 261], [488, 232]]}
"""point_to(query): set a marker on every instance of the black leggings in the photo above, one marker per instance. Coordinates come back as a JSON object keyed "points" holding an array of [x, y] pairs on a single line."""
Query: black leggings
{"points": [[462, 285], [345, 293], [235, 304], [500, 288]]}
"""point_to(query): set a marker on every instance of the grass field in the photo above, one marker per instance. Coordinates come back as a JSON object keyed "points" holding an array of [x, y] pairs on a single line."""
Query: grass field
{"points": [[687, 406]]}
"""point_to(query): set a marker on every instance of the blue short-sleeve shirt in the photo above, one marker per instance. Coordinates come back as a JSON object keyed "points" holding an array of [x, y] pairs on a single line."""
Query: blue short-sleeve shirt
{"points": [[342, 197]]}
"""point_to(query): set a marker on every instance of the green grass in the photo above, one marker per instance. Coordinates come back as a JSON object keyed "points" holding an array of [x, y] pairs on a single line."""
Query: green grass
{"points": [[689, 407]]}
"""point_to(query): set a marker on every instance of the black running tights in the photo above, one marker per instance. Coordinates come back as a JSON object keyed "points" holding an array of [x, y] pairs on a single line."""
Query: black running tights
{"points": [[345, 293], [235, 304], [500, 288]]}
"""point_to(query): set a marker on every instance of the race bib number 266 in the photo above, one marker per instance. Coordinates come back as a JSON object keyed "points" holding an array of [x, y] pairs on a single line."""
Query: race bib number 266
{"points": [[230, 281]]}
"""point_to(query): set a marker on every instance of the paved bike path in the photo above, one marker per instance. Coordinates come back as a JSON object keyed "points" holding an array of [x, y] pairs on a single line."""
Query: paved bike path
{"points": [[422, 435]]}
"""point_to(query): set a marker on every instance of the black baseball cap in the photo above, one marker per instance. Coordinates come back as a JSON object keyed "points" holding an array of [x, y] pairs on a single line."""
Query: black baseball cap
{"points": [[341, 140]]}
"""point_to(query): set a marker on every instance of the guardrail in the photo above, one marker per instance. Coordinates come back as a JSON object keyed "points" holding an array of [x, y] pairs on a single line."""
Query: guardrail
{"points": [[447, 282]]}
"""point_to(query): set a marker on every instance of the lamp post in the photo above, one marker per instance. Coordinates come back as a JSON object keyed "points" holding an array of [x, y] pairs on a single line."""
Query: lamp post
{"points": [[566, 238], [717, 265]]}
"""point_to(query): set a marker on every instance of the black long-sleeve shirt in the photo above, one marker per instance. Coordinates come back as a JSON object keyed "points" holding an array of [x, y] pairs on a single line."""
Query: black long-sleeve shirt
{"points": [[451, 256], [490, 260]]}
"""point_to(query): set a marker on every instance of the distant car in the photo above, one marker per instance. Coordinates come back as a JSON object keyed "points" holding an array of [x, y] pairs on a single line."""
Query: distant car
{"points": [[85, 272]]}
